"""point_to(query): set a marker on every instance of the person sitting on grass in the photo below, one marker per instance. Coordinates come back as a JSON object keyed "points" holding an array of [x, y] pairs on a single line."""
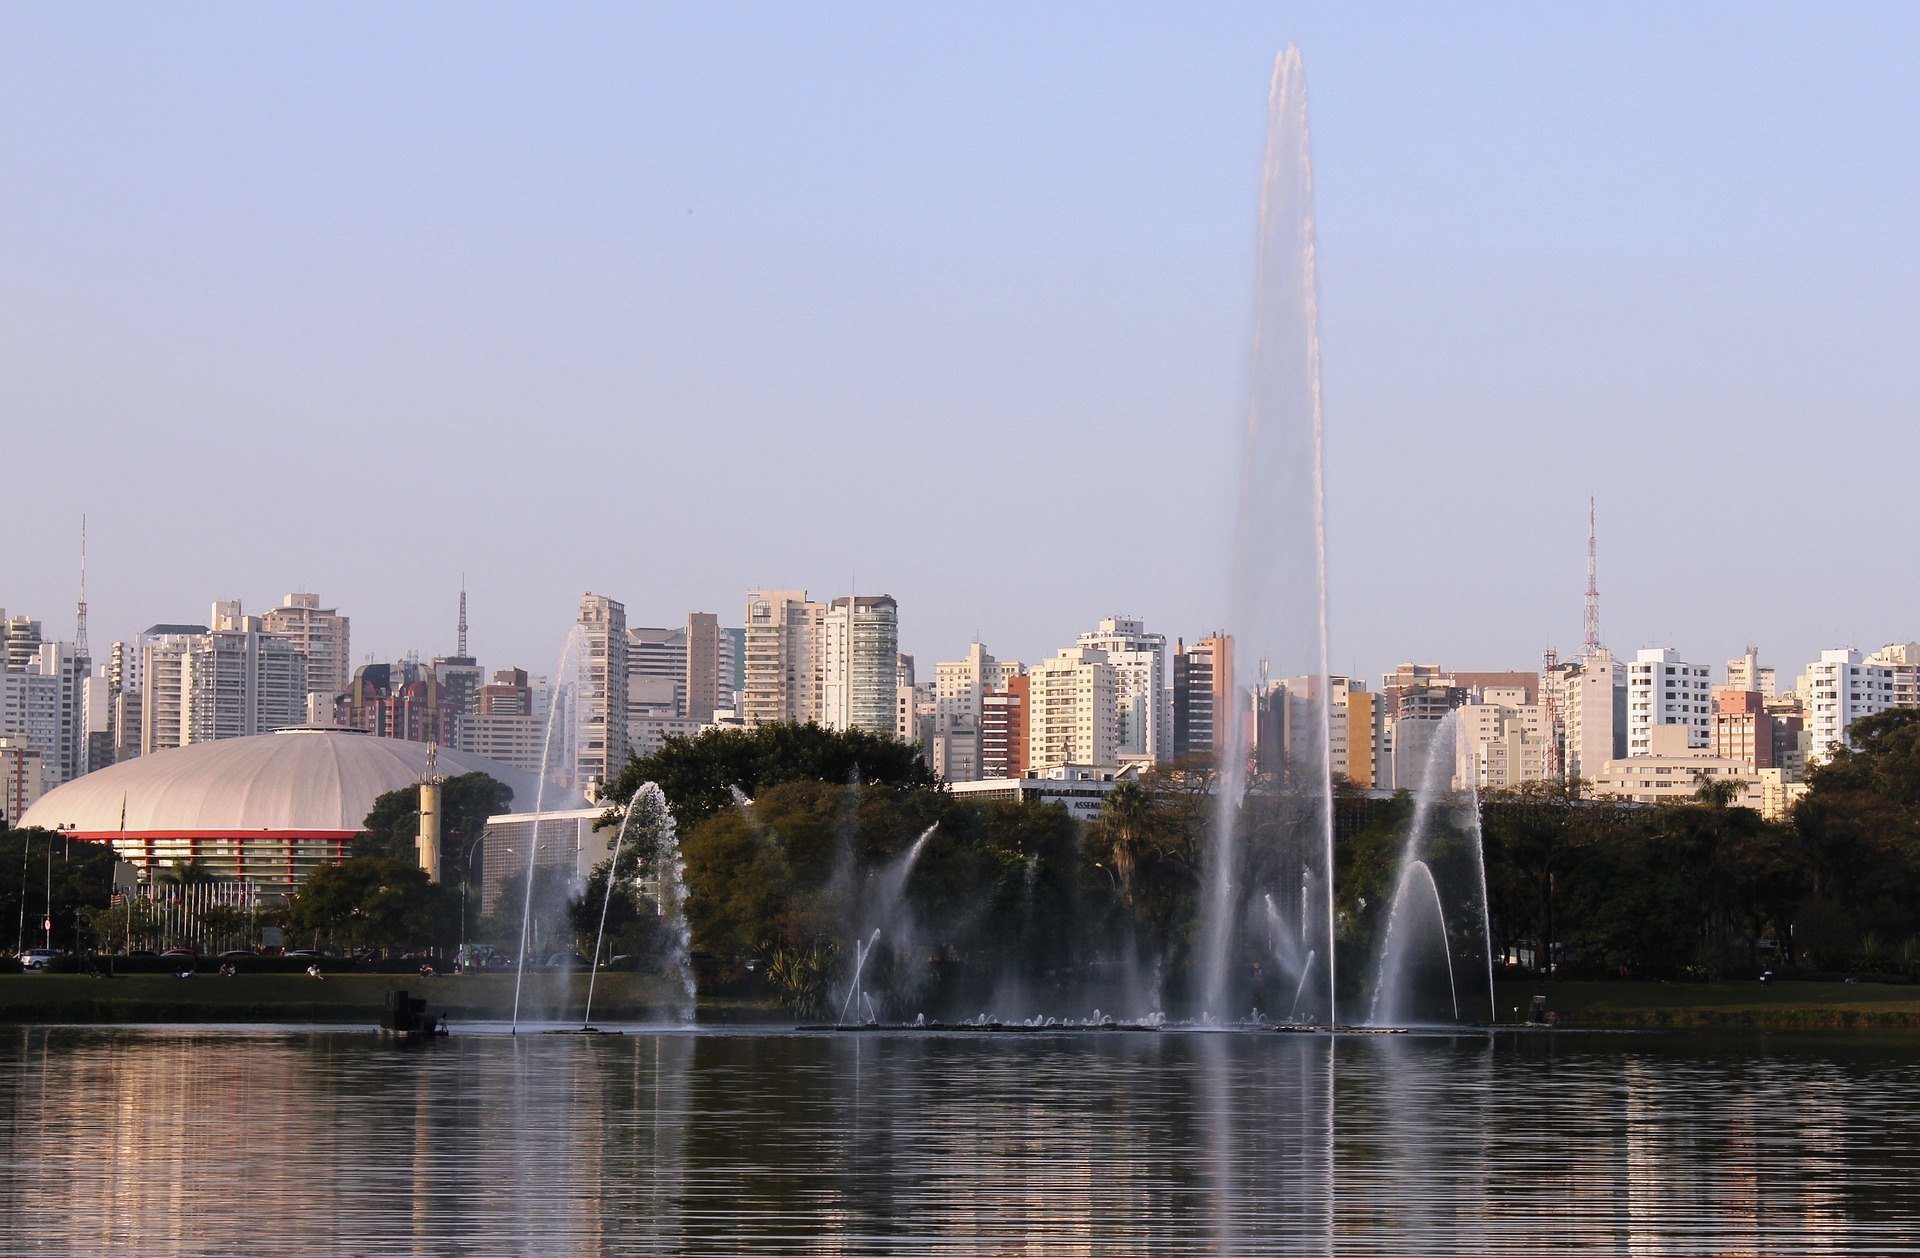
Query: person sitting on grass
{"points": [[313, 971]]}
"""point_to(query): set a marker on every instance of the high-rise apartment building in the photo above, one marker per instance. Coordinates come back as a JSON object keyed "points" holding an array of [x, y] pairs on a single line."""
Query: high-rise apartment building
{"points": [[1503, 739], [656, 673], [506, 725], [860, 663], [1202, 686], [321, 634], [708, 662], [1663, 689], [783, 658], [960, 689], [1142, 697], [1745, 673], [44, 702], [1902, 662], [1838, 689], [236, 679], [1071, 716], [20, 638], [1004, 730], [600, 692], [1590, 700]]}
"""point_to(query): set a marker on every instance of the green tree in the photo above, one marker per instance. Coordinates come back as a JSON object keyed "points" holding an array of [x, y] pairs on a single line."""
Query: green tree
{"points": [[81, 877], [392, 826], [371, 902], [699, 774]]}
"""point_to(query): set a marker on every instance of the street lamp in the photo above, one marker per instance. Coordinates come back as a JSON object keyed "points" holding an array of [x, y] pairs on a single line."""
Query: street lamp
{"points": [[466, 881]]}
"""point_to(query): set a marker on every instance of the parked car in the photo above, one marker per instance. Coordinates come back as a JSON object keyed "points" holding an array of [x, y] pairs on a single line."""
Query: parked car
{"points": [[303, 954], [180, 952], [568, 961], [36, 958], [231, 953]]}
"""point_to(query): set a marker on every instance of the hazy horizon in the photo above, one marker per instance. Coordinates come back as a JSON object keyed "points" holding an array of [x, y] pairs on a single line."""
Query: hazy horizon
{"points": [[669, 304]]}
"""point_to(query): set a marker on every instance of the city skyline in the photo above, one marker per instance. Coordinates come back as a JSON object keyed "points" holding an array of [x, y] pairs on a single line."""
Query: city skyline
{"points": [[1534, 282]]}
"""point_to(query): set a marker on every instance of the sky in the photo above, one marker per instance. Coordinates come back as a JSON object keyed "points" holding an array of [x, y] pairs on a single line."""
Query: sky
{"points": [[667, 302]]}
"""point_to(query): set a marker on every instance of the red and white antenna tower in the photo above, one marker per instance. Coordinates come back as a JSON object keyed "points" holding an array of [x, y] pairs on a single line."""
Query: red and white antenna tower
{"points": [[1550, 700], [460, 646], [1592, 643]]}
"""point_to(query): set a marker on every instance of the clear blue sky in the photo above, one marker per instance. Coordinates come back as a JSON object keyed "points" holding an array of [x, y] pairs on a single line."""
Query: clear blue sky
{"points": [[666, 302]]}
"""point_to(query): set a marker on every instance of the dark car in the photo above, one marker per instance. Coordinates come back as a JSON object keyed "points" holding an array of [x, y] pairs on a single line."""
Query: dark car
{"points": [[232, 953]]}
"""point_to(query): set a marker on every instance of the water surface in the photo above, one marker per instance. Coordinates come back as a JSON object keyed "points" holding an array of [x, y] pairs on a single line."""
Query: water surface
{"points": [[165, 1141]]}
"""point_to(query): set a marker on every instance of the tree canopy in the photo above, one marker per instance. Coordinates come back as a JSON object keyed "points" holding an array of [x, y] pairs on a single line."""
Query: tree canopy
{"points": [[371, 902], [392, 827], [699, 774]]}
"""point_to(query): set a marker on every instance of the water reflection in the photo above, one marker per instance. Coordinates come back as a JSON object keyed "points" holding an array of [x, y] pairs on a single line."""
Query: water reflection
{"points": [[279, 1142]]}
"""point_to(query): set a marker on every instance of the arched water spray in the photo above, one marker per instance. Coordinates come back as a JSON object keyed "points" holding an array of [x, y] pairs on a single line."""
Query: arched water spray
{"points": [[1395, 954], [1277, 590], [1437, 807], [606, 902]]}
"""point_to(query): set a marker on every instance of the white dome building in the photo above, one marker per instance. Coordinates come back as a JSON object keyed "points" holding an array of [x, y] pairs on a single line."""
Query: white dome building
{"points": [[267, 808]]}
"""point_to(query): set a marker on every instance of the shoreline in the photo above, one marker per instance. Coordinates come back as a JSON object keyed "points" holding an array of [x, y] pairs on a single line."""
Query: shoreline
{"points": [[358, 999]]}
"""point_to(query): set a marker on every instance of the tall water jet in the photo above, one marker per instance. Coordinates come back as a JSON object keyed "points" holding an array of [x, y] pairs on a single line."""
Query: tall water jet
{"points": [[671, 902], [1277, 603], [559, 734]]}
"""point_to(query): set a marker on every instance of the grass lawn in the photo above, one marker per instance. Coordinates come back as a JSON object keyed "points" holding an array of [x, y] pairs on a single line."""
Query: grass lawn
{"points": [[1746, 1004], [345, 998]]}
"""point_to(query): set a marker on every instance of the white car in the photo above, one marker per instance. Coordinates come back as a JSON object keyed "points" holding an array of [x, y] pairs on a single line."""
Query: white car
{"points": [[36, 958]]}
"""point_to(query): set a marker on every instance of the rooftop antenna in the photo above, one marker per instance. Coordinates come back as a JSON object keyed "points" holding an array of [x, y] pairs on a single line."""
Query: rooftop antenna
{"points": [[1592, 644], [461, 649], [80, 612]]}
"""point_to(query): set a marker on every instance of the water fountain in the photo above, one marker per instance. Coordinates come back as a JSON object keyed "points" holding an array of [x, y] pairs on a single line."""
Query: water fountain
{"points": [[671, 900], [857, 999], [1442, 865], [559, 733], [1277, 607], [649, 803], [606, 902]]}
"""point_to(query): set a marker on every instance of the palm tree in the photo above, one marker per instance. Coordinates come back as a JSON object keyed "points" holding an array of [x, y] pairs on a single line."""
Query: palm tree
{"points": [[193, 872], [1715, 792], [1125, 811]]}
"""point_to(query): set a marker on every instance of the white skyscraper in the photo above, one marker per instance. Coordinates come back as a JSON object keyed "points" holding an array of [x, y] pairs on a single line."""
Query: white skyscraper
{"points": [[600, 699], [860, 664]]}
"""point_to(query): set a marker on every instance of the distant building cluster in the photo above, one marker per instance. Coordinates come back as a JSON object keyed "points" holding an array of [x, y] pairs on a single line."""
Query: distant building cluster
{"points": [[1118, 699]]}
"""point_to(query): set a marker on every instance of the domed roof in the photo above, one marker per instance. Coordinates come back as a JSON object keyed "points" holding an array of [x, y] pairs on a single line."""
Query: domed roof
{"points": [[296, 779]]}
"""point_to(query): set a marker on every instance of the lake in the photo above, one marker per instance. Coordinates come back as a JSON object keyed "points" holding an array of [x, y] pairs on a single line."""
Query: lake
{"points": [[262, 1141]]}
